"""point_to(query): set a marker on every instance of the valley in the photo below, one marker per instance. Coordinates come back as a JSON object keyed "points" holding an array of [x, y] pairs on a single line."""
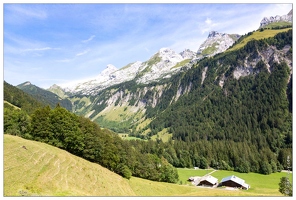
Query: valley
{"points": [[145, 128], [43, 170]]}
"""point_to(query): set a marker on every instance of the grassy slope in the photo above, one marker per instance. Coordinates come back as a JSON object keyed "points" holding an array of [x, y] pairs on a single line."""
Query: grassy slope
{"points": [[278, 24], [261, 185], [257, 35], [6, 102], [182, 63], [164, 135], [48, 171]]}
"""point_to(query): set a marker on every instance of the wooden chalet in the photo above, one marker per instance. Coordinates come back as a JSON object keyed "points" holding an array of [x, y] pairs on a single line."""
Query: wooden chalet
{"points": [[208, 180], [234, 181]]}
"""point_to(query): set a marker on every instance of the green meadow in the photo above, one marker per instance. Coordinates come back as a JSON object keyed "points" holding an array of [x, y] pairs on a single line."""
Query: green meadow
{"points": [[36, 169], [261, 185], [258, 35]]}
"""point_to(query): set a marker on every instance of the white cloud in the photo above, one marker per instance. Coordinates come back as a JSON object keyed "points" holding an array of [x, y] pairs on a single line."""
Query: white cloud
{"points": [[89, 39], [208, 21], [27, 12], [208, 25], [82, 53], [40, 49]]}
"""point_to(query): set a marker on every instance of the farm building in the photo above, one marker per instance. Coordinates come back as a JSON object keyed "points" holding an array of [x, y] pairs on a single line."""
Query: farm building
{"points": [[208, 180], [234, 181], [194, 179]]}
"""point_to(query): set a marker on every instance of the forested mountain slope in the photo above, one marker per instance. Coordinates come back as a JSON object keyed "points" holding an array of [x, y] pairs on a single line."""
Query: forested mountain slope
{"points": [[130, 107], [230, 111], [47, 97], [19, 98], [235, 103]]}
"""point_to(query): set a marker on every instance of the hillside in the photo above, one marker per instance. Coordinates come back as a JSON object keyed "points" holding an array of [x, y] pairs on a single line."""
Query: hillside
{"points": [[130, 107], [21, 99], [256, 35], [45, 96], [37, 169]]}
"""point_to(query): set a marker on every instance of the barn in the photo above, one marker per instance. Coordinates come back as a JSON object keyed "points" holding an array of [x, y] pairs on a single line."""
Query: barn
{"points": [[234, 181], [208, 180]]}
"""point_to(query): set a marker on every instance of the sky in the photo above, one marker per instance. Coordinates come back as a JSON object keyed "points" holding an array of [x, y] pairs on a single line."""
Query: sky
{"points": [[56, 43]]}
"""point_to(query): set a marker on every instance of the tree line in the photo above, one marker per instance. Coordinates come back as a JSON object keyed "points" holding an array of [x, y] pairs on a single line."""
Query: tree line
{"points": [[82, 137]]}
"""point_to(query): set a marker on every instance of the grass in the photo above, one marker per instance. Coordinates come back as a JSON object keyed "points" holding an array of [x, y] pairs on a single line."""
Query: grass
{"points": [[44, 170], [143, 124], [210, 49], [182, 63], [126, 137], [261, 185], [15, 107], [278, 24], [83, 102], [163, 135], [257, 35], [155, 59], [119, 113], [119, 118], [143, 187]]}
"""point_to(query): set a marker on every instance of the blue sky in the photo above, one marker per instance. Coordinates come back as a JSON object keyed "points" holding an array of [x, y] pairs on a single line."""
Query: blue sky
{"points": [[50, 44]]}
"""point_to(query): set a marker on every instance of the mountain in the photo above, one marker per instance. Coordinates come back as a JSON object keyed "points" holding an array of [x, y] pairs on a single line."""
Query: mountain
{"points": [[231, 108], [161, 65], [216, 43], [21, 99], [277, 20], [45, 96], [58, 91], [132, 105]]}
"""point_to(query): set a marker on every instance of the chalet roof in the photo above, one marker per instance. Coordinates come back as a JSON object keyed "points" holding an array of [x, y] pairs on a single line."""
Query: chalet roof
{"points": [[246, 185], [210, 179], [234, 179]]}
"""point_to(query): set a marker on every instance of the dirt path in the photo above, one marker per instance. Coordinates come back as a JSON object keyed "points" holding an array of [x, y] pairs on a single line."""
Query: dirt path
{"points": [[211, 172]]}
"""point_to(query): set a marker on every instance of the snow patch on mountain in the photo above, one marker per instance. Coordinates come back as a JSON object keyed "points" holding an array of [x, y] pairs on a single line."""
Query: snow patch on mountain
{"points": [[165, 67], [162, 64]]}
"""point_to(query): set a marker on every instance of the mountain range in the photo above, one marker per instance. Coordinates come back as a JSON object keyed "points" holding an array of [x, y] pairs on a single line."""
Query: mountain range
{"points": [[162, 64], [126, 96], [226, 107], [277, 19]]}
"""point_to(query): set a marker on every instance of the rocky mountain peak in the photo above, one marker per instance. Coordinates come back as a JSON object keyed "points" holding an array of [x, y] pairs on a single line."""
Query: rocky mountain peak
{"points": [[167, 54], [188, 54], [111, 67], [26, 83], [284, 18], [108, 70], [213, 34], [216, 43], [54, 86]]}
